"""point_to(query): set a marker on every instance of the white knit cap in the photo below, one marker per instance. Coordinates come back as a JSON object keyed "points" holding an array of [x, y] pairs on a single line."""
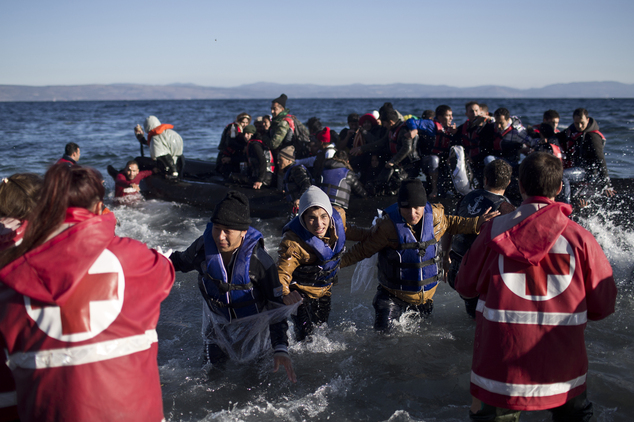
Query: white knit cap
{"points": [[313, 197]]}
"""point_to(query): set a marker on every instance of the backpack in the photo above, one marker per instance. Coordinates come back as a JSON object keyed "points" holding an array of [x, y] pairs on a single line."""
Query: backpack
{"points": [[301, 136]]}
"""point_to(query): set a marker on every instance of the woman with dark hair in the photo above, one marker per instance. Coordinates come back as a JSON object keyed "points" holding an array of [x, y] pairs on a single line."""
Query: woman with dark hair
{"points": [[18, 195], [79, 308]]}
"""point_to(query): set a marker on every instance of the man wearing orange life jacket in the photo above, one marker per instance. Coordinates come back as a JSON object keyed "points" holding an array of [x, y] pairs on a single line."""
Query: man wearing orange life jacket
{"points": [[582, 145], [166, 146]]}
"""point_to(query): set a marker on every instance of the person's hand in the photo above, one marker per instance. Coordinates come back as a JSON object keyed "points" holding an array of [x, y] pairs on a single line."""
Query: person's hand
{"points": [[292, 297], [486, 217], [355, 151], [389, 165], [138, 130], [451, 129], [609, 192], [284, 360], [135, 187], [257, 185]]}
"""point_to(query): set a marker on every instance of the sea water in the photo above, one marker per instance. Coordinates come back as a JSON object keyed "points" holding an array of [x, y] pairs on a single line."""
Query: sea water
{"points": [[348, 372]]}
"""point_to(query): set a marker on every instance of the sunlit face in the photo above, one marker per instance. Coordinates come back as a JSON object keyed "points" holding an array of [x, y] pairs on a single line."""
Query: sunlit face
{"points": [[501, 123], [276, 109], [243, 123], [283, 162], [581, 122], [131, 171], [473, 111], [412, 215], [554, 122], [317, 221], [227, 240], [446, 119], [266, 124]]}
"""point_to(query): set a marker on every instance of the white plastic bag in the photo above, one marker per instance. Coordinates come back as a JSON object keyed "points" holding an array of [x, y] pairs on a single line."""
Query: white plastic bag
{"points": [[366, 271]]}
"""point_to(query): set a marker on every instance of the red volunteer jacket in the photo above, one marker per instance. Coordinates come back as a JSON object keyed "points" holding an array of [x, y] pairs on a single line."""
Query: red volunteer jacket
{"points": [[122, 184], [540, 277], [78, 315], [8, 398]]}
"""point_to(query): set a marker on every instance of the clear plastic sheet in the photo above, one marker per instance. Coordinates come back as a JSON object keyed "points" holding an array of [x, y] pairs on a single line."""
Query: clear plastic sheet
{"points": [[246, 338]]}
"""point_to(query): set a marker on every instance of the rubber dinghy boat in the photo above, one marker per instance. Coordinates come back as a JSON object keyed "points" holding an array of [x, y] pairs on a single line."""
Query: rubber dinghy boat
{"points": [[200, 186]]}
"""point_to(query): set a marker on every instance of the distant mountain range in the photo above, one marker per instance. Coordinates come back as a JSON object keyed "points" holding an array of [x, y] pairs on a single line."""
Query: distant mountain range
{"points": [[272, 90]]}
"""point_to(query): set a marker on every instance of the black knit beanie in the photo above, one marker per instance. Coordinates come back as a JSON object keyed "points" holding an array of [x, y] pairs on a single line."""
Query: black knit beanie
{"points": [[412, 194], [281, 100], [233, 212]]}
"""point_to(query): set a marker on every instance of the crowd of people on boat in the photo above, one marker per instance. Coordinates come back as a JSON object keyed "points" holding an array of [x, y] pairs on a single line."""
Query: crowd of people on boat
{"points": [[80, 305], [382, 148]]}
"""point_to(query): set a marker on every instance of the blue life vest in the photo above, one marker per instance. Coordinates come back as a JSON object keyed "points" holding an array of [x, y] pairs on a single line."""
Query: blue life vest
{"points": [[223, 295], [336, 186], [414, 265], [325, 270]]}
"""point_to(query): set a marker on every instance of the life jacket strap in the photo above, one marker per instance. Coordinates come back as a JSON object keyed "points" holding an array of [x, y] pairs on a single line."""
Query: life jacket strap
{"points": [[227, 287], [418, 245]]}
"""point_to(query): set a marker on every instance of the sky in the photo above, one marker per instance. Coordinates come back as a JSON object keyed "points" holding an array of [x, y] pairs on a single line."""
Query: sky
{"points": [[519, 44]]}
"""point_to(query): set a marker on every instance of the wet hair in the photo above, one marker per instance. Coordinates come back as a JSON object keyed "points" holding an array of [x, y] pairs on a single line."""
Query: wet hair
{"points": [[502, 112], [19, 194], [441, 110], [580, 112], [353, 117], [71, 148], [470, 104], [541, 174], [498, 174], [64, 187], [550, 114], [428, 114], [131, 162]]}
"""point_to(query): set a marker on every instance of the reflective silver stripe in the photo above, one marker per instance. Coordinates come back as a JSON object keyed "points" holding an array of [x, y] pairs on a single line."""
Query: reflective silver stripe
{"points": [[80, 355], [527, 390], [533, 318], [8, 399]]}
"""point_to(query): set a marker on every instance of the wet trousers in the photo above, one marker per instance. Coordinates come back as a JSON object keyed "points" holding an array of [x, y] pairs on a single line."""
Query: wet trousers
{"points": [[577, 409], [311, 312], [389, 308]]}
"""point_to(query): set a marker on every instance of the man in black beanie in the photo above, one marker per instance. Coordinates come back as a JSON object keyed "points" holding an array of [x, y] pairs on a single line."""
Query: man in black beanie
{"points": [[237, 279], [406, 238], [281, 131]]}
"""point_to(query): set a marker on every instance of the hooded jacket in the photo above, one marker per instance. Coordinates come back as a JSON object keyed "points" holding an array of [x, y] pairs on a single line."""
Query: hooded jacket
{"points": [[167, 142], [79, 316], [540, 277]]}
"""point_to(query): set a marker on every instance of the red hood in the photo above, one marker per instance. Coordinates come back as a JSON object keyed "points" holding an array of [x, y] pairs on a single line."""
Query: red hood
{"points": [[50, 272], [529, 240]]}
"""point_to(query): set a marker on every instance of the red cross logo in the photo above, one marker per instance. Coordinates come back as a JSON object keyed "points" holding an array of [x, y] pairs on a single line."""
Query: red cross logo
{"points": [[75, 313], [543, 281], [537, 276], [92, 307]]}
